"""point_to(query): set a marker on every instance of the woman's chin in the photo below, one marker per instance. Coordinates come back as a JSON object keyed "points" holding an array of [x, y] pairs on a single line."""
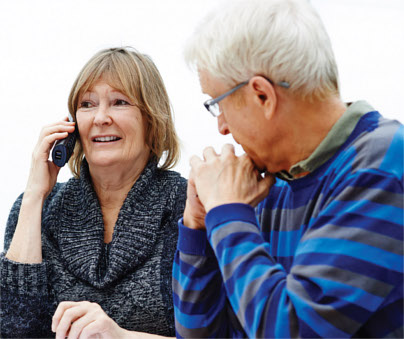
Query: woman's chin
{"points": [[103, 162]]}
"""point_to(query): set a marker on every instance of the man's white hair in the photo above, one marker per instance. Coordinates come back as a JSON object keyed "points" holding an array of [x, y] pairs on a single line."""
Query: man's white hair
{"points": [[283, 40]]}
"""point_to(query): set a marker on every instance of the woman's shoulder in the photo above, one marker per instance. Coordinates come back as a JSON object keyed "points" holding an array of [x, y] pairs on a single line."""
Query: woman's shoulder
{"points": [[172, 185], [171, 178], [55, 194]]}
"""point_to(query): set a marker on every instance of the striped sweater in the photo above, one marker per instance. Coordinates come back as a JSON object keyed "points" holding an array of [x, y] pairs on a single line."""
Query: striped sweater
{"points": [[321, 256]]}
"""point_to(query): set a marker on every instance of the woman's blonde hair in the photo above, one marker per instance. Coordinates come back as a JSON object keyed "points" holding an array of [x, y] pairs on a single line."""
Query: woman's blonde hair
{"points": [[136, 76]]}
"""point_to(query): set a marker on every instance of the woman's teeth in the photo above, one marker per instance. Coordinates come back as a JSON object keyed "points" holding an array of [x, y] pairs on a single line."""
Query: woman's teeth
{"points": [[103, 139]]}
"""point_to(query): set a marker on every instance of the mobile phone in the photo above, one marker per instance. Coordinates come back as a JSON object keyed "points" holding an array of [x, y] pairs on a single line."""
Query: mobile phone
{"points": [[63, 149]]}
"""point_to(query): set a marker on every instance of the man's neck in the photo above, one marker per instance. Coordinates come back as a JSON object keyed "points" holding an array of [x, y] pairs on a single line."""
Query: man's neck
{"points": [[305, 124]]}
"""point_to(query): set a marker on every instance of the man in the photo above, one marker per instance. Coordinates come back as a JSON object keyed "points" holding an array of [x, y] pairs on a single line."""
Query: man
{"points": [[321, 255]]}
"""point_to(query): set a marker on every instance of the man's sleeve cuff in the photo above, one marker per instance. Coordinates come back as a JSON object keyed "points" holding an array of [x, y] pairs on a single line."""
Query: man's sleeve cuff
{"points": [[194, 242], [230, 212]]}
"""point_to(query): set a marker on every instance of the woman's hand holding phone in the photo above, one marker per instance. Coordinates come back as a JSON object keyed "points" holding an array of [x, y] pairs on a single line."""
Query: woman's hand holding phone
{"points": [[43, 172], [26, 245]]}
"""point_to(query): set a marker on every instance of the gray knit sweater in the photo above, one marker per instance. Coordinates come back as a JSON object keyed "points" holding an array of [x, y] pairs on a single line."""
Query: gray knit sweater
{"points": [[130, 278]]}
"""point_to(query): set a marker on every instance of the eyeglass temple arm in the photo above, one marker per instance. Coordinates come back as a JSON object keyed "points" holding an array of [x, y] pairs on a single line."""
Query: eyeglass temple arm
{"points": [[283, 84], [220, 97]]}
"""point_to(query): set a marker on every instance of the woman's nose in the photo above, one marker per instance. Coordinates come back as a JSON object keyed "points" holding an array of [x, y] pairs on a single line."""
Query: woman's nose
{"points": [[102, 116], [222, 125]]}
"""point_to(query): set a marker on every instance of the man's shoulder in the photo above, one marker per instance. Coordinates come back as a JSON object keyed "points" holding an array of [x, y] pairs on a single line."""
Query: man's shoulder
{"points": [[378, 145]]}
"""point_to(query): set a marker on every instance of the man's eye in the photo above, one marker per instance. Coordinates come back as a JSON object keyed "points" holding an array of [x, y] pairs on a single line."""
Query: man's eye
{"points": [[120, 102], [86, 104]]}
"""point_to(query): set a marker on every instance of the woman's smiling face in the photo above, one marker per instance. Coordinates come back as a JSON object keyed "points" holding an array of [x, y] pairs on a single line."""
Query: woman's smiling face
{"points": [[112, 128]]}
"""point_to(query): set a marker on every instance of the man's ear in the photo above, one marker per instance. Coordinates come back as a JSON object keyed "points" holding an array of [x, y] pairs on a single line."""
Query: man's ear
{"points": [[264, 95]]}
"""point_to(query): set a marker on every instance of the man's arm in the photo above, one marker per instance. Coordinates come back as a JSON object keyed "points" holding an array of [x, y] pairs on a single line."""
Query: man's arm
{"points": [[200, 303], [347, 266]]}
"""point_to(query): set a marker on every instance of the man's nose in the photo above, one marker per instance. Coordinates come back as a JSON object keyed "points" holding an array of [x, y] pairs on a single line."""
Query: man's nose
{"points": [[222, 125]]}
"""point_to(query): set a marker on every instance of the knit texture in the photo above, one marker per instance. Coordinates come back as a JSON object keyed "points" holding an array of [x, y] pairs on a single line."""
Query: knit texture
{"points": [[130, 278], [321, 256]]}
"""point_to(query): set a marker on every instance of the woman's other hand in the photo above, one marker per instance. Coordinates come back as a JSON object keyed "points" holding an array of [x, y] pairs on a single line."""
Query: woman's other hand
{"points": [[84, 320]]}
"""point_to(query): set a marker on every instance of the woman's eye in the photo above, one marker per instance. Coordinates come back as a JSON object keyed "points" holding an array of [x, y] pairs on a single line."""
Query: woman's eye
{"points": [[120, 102], [86, 104]]}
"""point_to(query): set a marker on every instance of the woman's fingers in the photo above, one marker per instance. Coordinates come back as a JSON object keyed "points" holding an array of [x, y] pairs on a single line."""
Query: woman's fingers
{"points": [[81, 328], [49, 135], [66, 314], [60, 127], [62, 307], [83, 320], [91, 329]]}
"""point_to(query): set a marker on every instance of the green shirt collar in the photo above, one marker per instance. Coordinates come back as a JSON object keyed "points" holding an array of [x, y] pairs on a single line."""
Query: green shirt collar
{"points": [[338, 134]]}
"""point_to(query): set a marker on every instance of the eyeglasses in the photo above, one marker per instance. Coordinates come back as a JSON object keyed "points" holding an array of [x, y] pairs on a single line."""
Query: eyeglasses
{"points": [[212, 105]]}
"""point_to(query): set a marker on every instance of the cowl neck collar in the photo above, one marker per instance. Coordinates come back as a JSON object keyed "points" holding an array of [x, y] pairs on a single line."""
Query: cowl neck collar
{"points": [[81, 228]]}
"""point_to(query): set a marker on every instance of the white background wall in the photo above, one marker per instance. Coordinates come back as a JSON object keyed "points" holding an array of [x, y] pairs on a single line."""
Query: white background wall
{"points": [[44, 44]]}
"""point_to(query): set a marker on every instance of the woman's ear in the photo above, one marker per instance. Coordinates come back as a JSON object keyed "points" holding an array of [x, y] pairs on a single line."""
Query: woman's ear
{"points": [[264, 95]]}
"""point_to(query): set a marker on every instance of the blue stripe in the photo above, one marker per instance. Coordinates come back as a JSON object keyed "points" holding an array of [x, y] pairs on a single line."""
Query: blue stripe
{"points": [[251, 315], [372, 178], [394, 154], [368, 122], [356, 249], [353, 311], [346, 219], [313, 320], [224, 214], [287, 242], [348, 293], [209, 265], [364, 267], [195, 320], [338, 174], [273, 200], [214, 291], [255, 308], [285, 262], [282, 324], [246, 274], [231, 248], [188, 281], [367, 209], [244, 271], [213, 232], [193, 241]]}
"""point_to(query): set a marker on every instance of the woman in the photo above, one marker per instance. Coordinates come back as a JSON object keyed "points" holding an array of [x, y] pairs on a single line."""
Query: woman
{"points": [[101, 245]]}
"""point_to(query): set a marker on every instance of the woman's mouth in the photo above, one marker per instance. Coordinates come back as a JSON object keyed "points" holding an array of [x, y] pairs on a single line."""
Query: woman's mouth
{"points": [[106, 139]]}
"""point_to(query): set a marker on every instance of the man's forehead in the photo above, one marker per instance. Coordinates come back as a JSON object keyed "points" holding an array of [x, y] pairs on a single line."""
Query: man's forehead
{"points": [[203, 79], [209, 84]]}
